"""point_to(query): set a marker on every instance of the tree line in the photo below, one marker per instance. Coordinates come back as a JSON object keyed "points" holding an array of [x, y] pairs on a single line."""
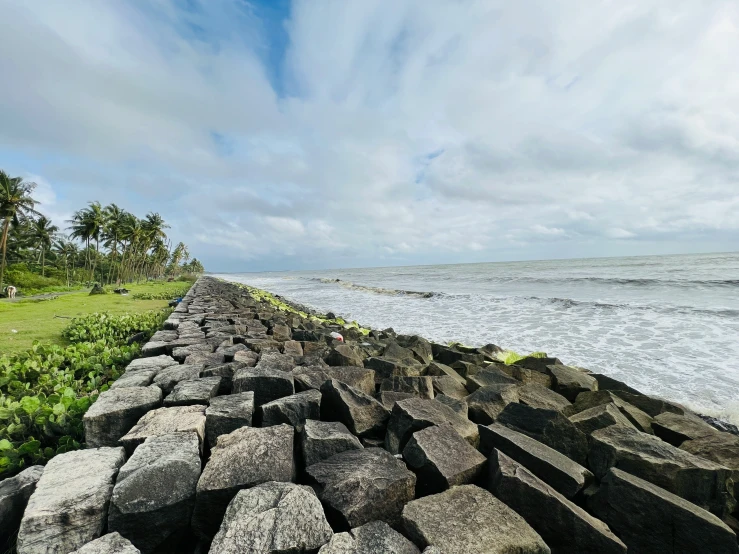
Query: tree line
{"points": [[103, 244]]}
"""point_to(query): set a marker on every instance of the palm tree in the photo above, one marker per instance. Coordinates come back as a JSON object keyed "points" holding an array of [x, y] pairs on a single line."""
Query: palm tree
{"points": [[67, 249], [115, 221], [87, 224], [16, 204], [43, 234]]}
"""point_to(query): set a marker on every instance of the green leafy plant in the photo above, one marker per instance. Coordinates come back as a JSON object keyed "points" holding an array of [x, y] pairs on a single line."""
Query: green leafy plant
{"points": [[166, 295], [509, 357]]}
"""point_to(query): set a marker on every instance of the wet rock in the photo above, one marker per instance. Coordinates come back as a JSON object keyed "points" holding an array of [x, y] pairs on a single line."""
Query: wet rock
{"points": [[489, 377], [228, 413], [69, 507], [362, 414], [538, 364], [650, 405], [486, 403], [599, 417], [163, 421], [154, 493], [417, 386], [586, 400], [449, 355], [650, 519], [469, 520], [116, 411], [570, 381], [538, 396], [441, 458], [112, 543], [197, 391], [293, 410], [371, 538], [14, 494], [244, 458], [606, 383], [563, 525], [169, 377], [267, 384], [312, 377], [557, 470], [273, 518], [459, 406], [436, 369], [346, 355], [549, 427], [676, 429], [700, 481], [320, 440], [414, 414], [359, 486]]}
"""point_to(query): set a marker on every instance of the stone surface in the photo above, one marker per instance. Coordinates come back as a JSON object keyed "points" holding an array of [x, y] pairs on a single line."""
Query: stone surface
{"points": [[267, 384], [14, 494], [362, 414], [227, 413], [570, 381], [140, 378], [650, 519], [722, 448], [487, 377], [651, 405], [586, 400], [347, 355], [244, 458], [163, 421], [563, 525], [441, 459], [436, 369], [599, 417], [469, 520], [293, 410], [116, 411], [156, 362], [557, 470], [418, 386], [459, 406], [274, 361], [676, 429], [112, 543], [359, 486], [449, 386], [539, 396], [486, 403], [414, 414], [389, 398], [313, 377], [376, 537], [69, 507], [320, 440], [700, 481], [154, 493], [273, 518], [196, 391], [387, 367], [167, 378]]}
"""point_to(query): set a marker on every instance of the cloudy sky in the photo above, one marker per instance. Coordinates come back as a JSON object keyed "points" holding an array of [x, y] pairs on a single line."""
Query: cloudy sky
{"points": [[308, 134]]}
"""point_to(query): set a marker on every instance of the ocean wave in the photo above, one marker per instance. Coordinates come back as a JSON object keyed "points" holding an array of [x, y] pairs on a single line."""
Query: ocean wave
{"points": [[571, 303], [376, 290], [638, 282]]}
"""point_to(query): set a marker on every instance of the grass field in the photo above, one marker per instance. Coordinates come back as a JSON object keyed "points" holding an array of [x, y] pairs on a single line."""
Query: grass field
{"points": [[27, 320]]}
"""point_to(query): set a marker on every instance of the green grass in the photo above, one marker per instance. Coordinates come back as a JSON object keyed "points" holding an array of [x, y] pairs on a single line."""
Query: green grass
{"points": [[34, 320]]}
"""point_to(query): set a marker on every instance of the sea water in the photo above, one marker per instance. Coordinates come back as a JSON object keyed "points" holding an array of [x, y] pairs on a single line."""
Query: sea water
{"points": [[666, 325]]}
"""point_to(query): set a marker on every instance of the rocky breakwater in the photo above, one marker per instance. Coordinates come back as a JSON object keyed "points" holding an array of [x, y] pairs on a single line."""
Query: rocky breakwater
{"points": [[247, 427]]}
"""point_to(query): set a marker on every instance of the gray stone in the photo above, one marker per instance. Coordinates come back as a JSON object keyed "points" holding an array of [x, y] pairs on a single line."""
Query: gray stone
{"points": [[180, 353], [362, 414], [570, 381], [293, 348], [267, 384], [359, 486], [538, 396], [414, 414], [163, 421], [140, 378], [273, 518], [389, 398], [441, 458], [388, 367], [293, 410], [154, 494], [14, 494], [197, 391], [722, 448], [486, 403], [469, 520], [487, 377], [228, 413], [154, 348], [244, 458], [116, 411], [549, 427], [312, 377], [606, 383], [586, 400], [676, 429], [459, 406], [156, 362], [347, 355], [449, 386], [112, 543], [417, 386], [436, 369], [650, 519], [69, 507], [703, 482], [564, 475], [563, 525], [207, 359], [599, 417], [225, 372], [320, 440], [651, 405], [376, 537], [274, 361], [527, 376], [167, 378], [247, 357]]}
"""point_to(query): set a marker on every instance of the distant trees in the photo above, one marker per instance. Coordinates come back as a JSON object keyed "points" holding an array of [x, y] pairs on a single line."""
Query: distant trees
{"points": [[16, 205]]}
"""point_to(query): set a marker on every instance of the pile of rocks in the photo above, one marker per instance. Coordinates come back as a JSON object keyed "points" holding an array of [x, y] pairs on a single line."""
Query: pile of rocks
{"points": [[246, 428]]}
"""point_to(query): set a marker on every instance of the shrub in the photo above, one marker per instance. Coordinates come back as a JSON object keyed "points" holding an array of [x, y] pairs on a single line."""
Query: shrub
{"points": [[166, 295]]}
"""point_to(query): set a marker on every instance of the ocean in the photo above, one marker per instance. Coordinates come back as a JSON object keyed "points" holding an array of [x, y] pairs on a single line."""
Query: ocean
{"points": [[666, 325]]}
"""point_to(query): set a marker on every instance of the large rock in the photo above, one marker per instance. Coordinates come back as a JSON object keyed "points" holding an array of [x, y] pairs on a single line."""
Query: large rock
{"points": [[155, 362], [487, 377], [293, 410], [650, 519], [312, 377], [469, 520], [441, 459], [196, 391], [274, 361], [112, 543], [676, 429], [244, 458], [436, 369], [267, 384], [359, 486], [116, 411], [167, 378], [570, 381], [227, 413], [376, 537], [549, 427], [564, 475], [345, 354], [141, 378], [538, 396], [486, 403], [418, 386], [386, 367], [154, 494], [362, 414], [563, 525], [700, 481], [651, 405], [449, 386], [722, 448], [599, 417], [459, 406], [320, 440], [70, 505], [587, 400], [273, 518], [14, 494], [163, 421], [414, 414]]}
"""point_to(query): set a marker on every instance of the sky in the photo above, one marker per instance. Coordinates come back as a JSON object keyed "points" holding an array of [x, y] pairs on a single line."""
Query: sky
{"points": [[312, 134]]}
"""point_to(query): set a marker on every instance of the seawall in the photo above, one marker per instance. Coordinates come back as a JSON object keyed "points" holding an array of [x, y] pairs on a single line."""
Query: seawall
{"points": [[251, 424]]}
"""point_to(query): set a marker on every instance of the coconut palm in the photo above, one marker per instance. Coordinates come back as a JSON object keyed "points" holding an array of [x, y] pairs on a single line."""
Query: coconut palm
{"points": [[87, 225], [66, 249], [43, 234], [115, 221], [16, 204]]}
